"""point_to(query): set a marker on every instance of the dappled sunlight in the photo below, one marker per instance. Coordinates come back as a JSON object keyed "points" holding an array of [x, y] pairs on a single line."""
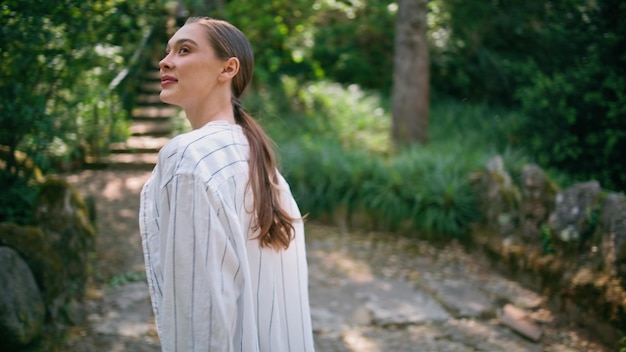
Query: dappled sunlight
{"points": [[118, 188], [356, 342], [111, 185], [355, 270], [116, 198], [127, 213], [134, 329]]}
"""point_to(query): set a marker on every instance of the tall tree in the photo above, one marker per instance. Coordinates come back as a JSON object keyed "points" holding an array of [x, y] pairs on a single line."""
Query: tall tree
{"points": [[411, 74]]}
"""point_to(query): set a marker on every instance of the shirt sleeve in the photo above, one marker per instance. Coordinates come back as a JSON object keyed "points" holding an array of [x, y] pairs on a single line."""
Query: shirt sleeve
{"points": [[201, 271]]}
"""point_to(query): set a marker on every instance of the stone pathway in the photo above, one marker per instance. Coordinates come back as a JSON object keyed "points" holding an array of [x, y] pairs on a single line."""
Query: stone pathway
{"points": [[370, 292]]}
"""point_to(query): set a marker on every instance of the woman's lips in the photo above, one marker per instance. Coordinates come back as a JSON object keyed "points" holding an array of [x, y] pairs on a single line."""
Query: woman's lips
{"points": [[166, 80]]}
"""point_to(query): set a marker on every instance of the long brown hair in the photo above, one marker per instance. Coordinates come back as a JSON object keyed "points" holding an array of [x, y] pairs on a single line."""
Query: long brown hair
{"points": [[273, 222]]}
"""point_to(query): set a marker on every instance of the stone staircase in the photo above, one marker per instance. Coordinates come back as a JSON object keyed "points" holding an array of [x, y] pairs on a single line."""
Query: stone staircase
{"points": [[150, 128]]}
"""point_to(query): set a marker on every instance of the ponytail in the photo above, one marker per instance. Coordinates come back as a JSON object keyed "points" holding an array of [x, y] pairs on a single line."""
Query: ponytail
{"points": [[273, 222]]}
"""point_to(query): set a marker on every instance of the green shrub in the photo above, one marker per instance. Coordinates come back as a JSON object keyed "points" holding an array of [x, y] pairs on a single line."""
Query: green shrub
{"points": [[351, 116], [58, 58], [336, 154], [18, 201], [576, 123], [414, 190], [364, 59]]}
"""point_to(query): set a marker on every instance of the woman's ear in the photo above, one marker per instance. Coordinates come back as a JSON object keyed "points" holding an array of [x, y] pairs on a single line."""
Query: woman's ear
{"points": [[229, 68]]}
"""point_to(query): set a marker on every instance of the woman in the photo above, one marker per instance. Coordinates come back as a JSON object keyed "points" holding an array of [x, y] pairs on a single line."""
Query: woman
{"points": [[223, 238]]}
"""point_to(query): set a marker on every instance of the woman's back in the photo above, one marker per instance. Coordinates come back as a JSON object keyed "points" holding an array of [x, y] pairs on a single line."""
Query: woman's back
{"points": [[210, 280]]}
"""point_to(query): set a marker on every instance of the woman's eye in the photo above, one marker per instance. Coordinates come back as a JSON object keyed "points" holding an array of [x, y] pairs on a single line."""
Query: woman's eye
{"points": [[183, 50]]}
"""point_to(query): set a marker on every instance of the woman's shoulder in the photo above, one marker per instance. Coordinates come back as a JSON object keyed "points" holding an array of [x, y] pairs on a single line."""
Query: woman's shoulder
{"points": [[205, 150]]}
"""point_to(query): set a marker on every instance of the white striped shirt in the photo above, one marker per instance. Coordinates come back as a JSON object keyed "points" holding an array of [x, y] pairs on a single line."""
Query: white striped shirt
{"points": [[212, 287]]}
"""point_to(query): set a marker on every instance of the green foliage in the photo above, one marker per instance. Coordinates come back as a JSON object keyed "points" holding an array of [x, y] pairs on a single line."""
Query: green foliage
{"points": [[18, 201], [354, 42], [562, 61], [485, 51], [414, 190], [347, 114], [58, 59], [347, 42], [331, 168], [126, 278], [424, 189], [277, 37], [546, 239], [576, 123]]}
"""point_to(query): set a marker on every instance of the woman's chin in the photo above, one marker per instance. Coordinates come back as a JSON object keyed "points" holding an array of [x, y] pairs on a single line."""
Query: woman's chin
{"points": [[166, 97]]}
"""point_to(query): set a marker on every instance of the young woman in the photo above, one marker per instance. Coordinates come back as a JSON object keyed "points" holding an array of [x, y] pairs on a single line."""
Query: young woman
{"points": [[223, 238]]}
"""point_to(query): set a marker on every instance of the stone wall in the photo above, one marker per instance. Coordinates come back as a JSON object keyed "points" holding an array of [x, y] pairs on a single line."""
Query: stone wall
{"points": [[48, 265], [569, 243]]}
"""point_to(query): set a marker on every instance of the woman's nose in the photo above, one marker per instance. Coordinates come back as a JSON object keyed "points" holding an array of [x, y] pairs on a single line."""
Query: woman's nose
{"points": [[165, 63]]}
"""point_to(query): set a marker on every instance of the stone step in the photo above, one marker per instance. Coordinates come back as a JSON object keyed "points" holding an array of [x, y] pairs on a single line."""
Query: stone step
{"points": [[139, 144], [153, 74], [156, 128], [136, 161], [149, 99], [147, 112], [151, 87]]}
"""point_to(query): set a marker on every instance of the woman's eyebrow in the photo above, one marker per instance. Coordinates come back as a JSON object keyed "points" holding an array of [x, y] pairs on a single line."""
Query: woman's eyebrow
{"points": [[182, 41]]}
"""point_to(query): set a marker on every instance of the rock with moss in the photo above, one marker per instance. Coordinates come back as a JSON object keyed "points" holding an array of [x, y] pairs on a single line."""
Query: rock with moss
{"points": [[499, 198], [64, 217], [612, 235], [45, 263], [538, 198], [575, 216], [57, 249], [22, 310]]}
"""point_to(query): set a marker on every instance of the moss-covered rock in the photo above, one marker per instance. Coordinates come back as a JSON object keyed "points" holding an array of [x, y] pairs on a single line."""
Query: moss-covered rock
{"points": [[22, 310], [65, 219], [498, 197], [538, 197], [57, 249], [46, 264], [575, 215], [570, 244]]}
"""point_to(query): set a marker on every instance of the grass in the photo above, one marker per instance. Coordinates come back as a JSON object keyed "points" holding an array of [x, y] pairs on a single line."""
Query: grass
{"points": [[336, 151]]}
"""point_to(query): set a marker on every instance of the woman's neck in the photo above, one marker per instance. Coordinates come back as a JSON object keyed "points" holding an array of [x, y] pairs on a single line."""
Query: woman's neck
{"points": [[210, 110]]}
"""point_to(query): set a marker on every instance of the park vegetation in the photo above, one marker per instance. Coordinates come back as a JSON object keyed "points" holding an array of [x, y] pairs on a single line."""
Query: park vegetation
{"points": [[534, 81]]}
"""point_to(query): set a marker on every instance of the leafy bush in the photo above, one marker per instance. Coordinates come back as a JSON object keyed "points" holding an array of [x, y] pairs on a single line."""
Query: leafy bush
{"points": [[414, 190], [563, 62], [576, 123], [336, 154], [17, 202], [58, 59], [354, 42], [278, 37], [576, 111]]}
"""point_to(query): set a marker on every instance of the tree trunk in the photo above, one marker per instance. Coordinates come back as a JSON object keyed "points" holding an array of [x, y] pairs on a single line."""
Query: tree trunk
{"points": [[411, 74]]}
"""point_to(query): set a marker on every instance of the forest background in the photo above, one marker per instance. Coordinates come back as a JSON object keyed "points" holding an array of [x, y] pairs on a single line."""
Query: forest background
{"points": [[533, 81]]}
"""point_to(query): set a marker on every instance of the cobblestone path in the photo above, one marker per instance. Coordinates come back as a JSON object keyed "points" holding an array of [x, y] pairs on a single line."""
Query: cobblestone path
{"points": [[370, 292]]}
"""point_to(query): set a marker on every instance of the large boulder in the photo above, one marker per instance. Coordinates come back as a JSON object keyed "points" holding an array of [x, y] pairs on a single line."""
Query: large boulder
{"points": [[46, 264], [22, 311]]}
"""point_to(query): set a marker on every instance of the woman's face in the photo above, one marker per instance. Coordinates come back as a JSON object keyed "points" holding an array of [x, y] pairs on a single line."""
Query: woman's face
{"points": [[190, 68]]}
